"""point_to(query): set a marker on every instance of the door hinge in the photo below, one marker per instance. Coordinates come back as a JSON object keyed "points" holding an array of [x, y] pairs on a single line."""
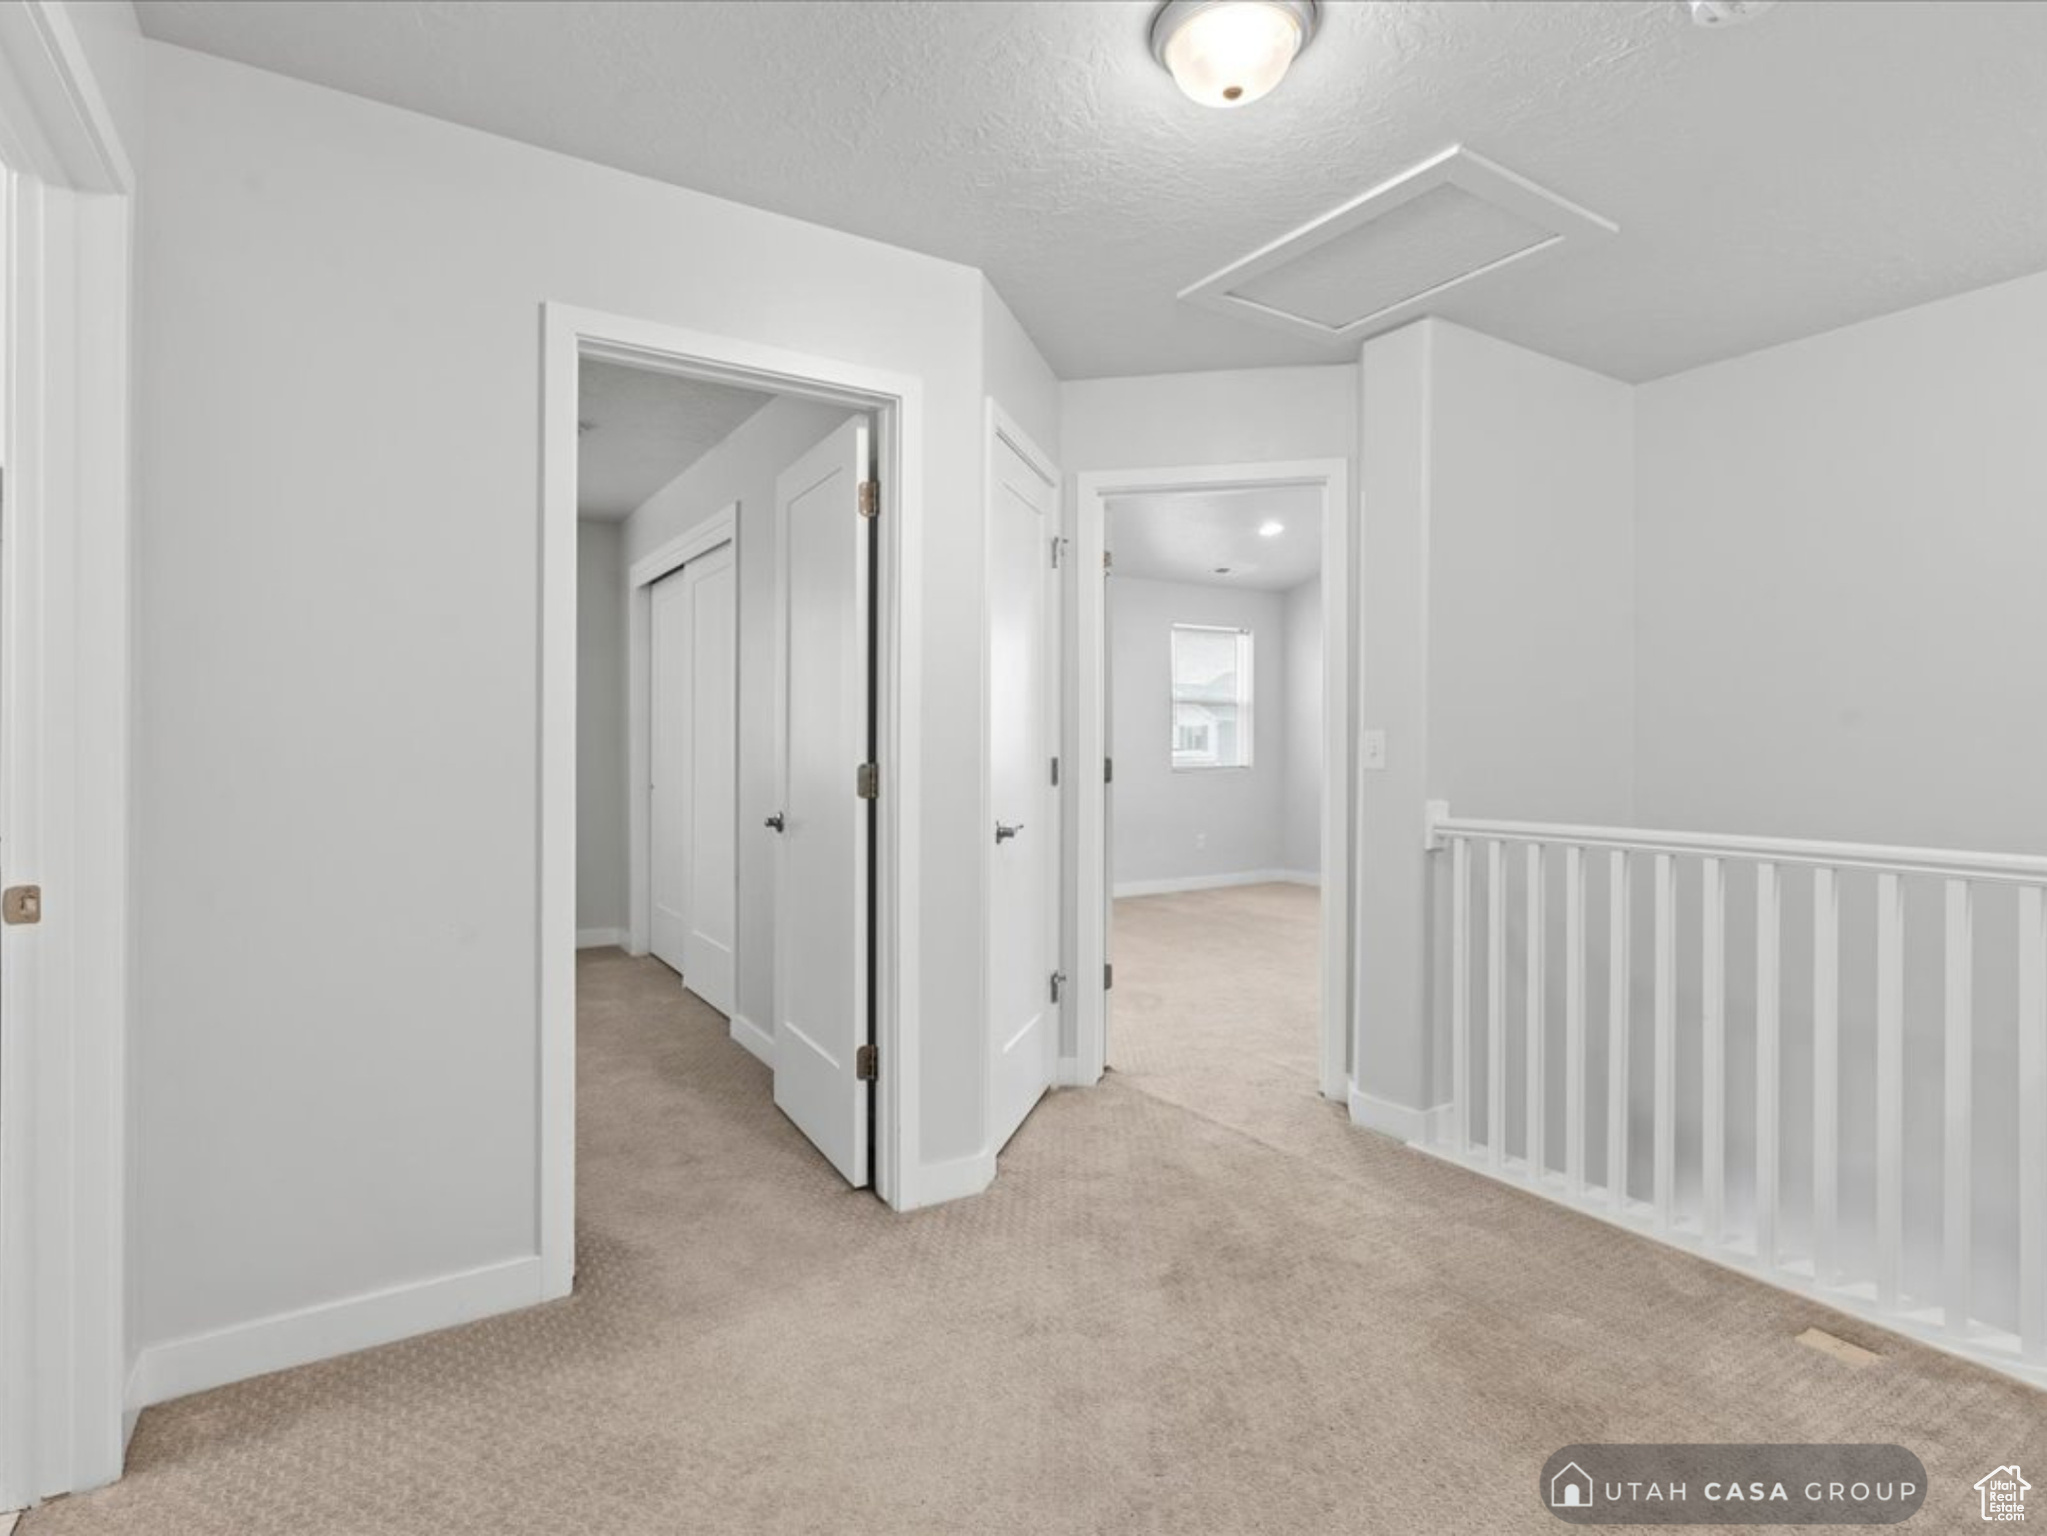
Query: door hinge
{"points": [[1058, 981], [1108, 770], [870, 498], [867, 782], [1056, 543], [867, 1064], [1108, 560], [21, 904], [1108, 977], [1055, 773]]}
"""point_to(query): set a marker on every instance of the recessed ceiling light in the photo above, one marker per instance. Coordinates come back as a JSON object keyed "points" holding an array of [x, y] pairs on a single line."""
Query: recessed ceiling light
{"points": [[1270, 529], [1228, 53]]}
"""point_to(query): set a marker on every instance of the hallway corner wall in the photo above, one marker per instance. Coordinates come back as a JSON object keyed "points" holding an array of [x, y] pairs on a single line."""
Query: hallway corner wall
{"points": [[1498, 537], [600, 730]]}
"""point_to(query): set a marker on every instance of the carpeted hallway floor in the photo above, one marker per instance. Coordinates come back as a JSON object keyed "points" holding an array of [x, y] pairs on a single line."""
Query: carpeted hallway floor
{"points": [[1165, 1317]]}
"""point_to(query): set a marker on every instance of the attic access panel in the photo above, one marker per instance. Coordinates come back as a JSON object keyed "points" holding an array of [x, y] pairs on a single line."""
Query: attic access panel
{"points": [[1383, 257]]}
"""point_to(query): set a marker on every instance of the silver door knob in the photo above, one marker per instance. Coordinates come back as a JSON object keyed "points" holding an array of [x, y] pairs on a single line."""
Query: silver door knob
{"points": [[1004, 832], [774, 823]]}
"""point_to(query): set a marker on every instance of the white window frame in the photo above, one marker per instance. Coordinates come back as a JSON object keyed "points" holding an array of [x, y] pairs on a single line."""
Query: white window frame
{"points": [[1246, 703]]}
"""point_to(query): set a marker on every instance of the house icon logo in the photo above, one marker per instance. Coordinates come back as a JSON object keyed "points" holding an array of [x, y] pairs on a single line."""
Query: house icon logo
{"points": [[2004, 1495], [1571, 1488]]}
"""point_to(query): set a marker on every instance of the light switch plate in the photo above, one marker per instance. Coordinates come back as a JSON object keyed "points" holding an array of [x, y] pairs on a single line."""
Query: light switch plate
{"points": [[1372, 750]]}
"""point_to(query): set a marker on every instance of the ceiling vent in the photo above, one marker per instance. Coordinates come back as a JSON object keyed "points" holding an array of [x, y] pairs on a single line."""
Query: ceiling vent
{"points": [[1385, 257]]}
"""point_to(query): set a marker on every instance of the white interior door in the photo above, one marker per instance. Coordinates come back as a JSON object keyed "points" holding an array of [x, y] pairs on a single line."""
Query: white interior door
{"points": [[693, 807], [668, 677], [1023, 914], [711, 818], [824, 828]]}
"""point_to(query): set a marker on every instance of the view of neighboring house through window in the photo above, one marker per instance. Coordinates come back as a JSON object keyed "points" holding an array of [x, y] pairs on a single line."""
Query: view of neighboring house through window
{"points": [[1211, 697]]}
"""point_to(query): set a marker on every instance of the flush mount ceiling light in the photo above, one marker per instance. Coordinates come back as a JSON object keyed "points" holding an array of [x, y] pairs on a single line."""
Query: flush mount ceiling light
{"points": [[1727, 13], [1228, 53], [1270, 529]]}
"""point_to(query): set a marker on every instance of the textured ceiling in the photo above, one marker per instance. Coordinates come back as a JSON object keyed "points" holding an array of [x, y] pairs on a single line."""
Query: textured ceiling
{"points": [[1185, 535], [1827, 162], [641, 430]]}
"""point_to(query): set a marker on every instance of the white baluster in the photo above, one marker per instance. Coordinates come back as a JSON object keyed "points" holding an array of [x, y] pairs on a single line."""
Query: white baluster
{"points": [[1574, 1017], [1890, 1087], [1460, 988], [1534, 1064], [2032, 1125], [1958, 1067], [1769, 949], [1713, 1050], [1664, 1128], [1826, 1070], [1619, 885], [1496, 1004]]}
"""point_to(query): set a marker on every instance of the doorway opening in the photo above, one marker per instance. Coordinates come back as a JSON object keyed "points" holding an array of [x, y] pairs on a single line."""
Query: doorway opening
{"points": [[1215, 727], [725, 795], [724, 707], [1212, 909]]}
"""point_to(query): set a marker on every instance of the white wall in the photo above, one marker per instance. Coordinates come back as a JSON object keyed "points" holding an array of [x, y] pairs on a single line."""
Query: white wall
{"points": [[1301, 810], [337, 663], [1793, 593], [111, 35], [1839, 564], [1394, 1050], [1841, 546], [1198, 824], [1228, 417], [1016, 375], [600, 728], [743, 469], [1531, 590], [1497, 492]]}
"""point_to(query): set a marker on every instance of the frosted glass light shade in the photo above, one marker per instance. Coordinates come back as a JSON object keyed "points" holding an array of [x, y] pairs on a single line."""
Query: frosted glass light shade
{"points": [[1229, 53]]}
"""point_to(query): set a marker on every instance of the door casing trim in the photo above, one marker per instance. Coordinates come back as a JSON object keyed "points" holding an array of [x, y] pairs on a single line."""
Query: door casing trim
{"points": [[570, 334], [1088, 744], [65, 998]]}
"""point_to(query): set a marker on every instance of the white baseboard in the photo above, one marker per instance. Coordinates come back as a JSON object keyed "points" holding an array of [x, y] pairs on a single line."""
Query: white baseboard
{"points": [[1403, 1122], [1214, 882], [754, 1038], [184, 1366], [600, 938], [955, 1179]]}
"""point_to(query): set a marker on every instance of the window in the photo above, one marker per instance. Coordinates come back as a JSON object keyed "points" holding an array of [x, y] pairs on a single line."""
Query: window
{"points": [[1211, 697]]}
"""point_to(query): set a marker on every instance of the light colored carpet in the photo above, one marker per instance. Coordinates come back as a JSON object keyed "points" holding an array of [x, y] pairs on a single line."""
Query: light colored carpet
{"points": [[1163, 1318]]}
